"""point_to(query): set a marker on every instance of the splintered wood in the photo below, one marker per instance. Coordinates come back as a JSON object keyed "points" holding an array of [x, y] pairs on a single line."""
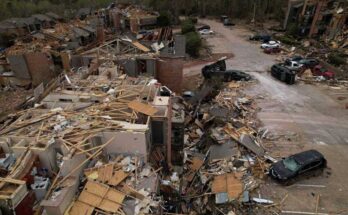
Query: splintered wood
{"points": [[227, 183]]}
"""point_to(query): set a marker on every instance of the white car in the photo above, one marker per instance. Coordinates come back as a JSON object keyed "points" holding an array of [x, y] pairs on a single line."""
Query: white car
{"points": [[270, 44], [206, 32], [293, 65]]}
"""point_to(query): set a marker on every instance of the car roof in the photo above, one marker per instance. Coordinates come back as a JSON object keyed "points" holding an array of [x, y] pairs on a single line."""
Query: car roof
{"points": [[307, 157]]}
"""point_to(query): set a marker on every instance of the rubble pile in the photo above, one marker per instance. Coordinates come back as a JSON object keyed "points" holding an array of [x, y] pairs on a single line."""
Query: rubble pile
{"points": [[90, 147], [69, 138], [224, 161]]}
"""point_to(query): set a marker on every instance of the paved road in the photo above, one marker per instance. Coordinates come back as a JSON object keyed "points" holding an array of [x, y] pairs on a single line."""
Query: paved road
{"points": [[321, 122], [300, 108]]}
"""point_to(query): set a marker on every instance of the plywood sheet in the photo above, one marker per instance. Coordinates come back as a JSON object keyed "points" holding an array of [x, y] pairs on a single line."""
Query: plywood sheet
{"points": [[109, 206], [219, 184], [229, 184], [96, 188], [115, 196], [118, 177], [80, 208], [196, 163], [101, 196], [90, 198], [142, 108], [234, 186], [105, 173]]}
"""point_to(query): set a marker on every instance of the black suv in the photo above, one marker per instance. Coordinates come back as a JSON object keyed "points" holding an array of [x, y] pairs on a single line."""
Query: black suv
{"points": [[218, 69], [284, 74], [261, 37], [288, 169], [309, 62]]}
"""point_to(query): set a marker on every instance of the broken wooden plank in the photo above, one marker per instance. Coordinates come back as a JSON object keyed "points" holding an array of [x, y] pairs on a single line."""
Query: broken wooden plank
{"points": [[142, 108], [118, 177]]}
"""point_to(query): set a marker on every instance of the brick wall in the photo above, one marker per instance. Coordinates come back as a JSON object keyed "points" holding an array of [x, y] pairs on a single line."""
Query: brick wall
{"points": [[170, 73]]}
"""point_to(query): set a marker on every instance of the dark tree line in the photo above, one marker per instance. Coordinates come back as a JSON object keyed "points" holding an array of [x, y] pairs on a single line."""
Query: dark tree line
{"points": [[244, 9], [25, 8]]}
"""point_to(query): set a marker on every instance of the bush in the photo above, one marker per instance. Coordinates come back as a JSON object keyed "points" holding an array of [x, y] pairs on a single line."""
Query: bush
{"points": [[187, 26], [336, 59], [288, 40], [293, 30], [193, 19], [163, 20], [193, 44]]}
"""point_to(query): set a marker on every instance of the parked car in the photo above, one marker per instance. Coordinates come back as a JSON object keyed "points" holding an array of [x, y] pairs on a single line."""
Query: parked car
{"points": [[283, 73], [218, 70], [296, 58], [271, 44], [309, 62], [206, 32], [319, 70], [228, 75], [288, 169], [293, 65], [203, 27], [261, 37], [272, 50]]}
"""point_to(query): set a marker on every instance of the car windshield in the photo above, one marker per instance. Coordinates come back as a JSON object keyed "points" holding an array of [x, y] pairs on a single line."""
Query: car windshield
{"points": [[291, 164]]}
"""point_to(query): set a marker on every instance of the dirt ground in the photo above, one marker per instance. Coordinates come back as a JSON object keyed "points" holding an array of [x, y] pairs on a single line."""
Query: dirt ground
{"points": [[308, 117]]}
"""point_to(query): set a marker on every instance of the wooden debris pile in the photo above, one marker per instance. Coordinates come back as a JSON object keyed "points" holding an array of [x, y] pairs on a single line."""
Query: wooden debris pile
{"points": [[123, 186], [225, 161]]}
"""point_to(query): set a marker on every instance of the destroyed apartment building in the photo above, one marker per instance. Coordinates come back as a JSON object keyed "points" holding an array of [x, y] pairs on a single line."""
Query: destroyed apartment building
{"points": [[108, 115], [317, 17], [56, 43], [107, 143], [106, 132]]}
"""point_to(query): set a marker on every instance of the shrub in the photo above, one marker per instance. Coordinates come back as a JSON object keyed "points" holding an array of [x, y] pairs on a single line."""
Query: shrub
{"points": [[193, 44], [187, 26], [193, 19], [336, 59], [163, 20], [293, 30], [288, 40]]}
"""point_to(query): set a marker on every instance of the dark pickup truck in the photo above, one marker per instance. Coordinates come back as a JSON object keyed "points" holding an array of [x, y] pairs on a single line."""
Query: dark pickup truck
{"points": [[283, 73], [218, 70]]}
